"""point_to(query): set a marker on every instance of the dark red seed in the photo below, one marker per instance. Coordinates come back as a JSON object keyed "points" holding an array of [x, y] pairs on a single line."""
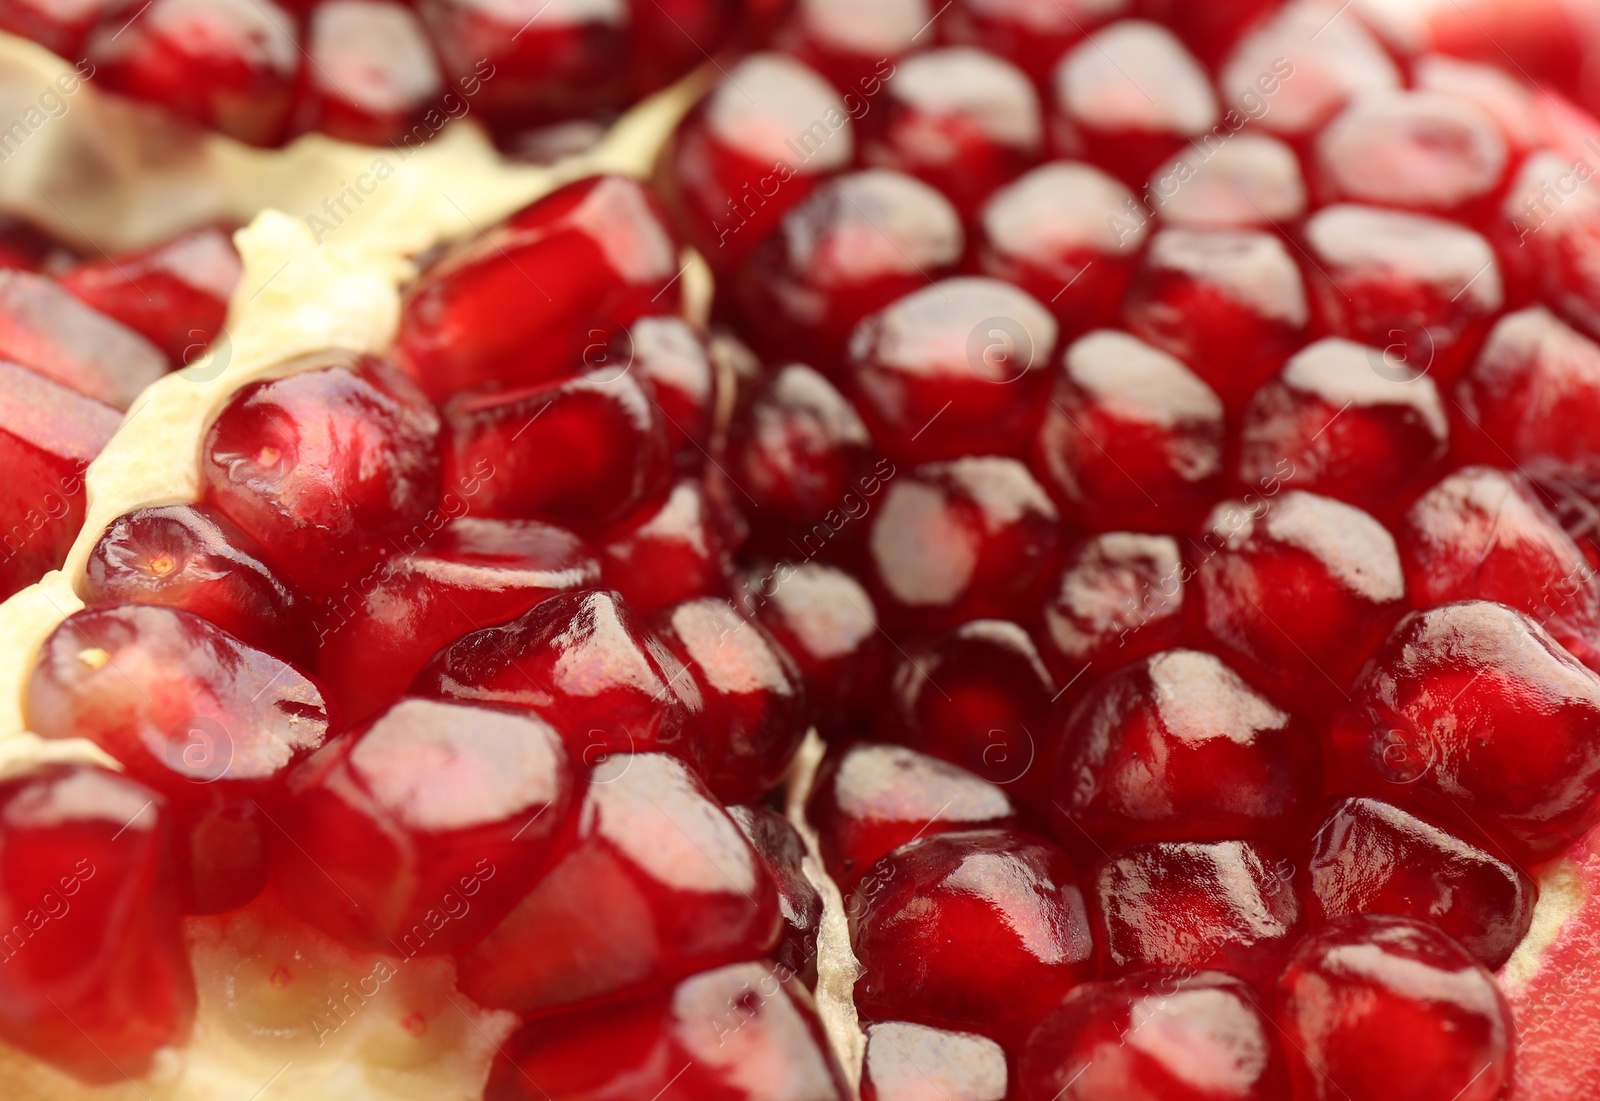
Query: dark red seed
{"points": [[852, 41]]}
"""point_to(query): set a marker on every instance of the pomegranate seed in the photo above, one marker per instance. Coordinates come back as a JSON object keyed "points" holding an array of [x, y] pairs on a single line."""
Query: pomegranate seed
{"points": [[1179, 1036], [659, 883], [972, 539], [671, 360], [852, 41], [491, 313], [1178, 748], [1252, 182], [1228, 906], [859, 242], [320, 465], [583, 661], [907, 1062], [1391, 1007], [1546, 236], [1034, 34], [735, 1034], [1049, 229], [1299, 590], [958, 368], [472, 574], [1132, 438], [929, 909], [1500, 95], [799, 901], [188, 557], [46, 329], [1210, 29], [369, 74], [756, 712], [584, 451], [1370, 857], [227, 64], [1474, 710], [96, 980], [669, 551], [48, 435], [175, 295], [419, 833], [868, 800], [668, 39], [60, 28], [1120, 598], [220, 852], [1128, 98]]}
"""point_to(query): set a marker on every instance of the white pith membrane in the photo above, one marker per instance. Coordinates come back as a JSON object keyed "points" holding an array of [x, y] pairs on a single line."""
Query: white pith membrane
{"points": [[285, 1011]]}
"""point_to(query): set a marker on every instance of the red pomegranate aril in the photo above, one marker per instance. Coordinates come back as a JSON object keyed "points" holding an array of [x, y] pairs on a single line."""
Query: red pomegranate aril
{"points": [[1178, 747], [1120, 597], [1251, 182], [964, 120], [1225, 906], [61, 28], [1132, 438], [927, 911], [958, 368], [670, 550], [1068, 234], [472, 574], [1346, 428], [755, 705], [1376, 1007], [1155, 1036], [1370, 857], [869, 799], [669, 38], [516, 306], [739, 1033], [322, 465], [1546, 231], [851, 42], [1298, 590], [1128, 98], [175, 295], [586, 663], [1033, 34], [220, 853], [96, 978], [859, 242], [581, 452], [188, 557], [25, 248], [907, 1062], [668, 355], [1474, 711], [369, 72], [1424, 290], [784, 853], [227, 64], [48, 436], [657, 884], [46, 329], [419, 833], [1497, 93], [972, 539], [1484, 534]]}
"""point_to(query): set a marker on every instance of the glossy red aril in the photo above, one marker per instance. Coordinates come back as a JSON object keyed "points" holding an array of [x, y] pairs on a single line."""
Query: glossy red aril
{"points": [[471, 574], [227, 64], [657, 884], [1298, 589], [869, 799], [799, 901], [1345, 425], [492, 312], [369, 72], [1497, 93], [586, 663], [1068, 234], [928, 910], [671, 361], [1228, 303], [1034, 34], [739, 1033], [1155, 1036], [48, 436], [1132, 438], [907, 1062], [1128, 98], [175, 295], [46, 329], [1370, 857], [1120, 597], [61, 28], [1227, 906], [957, 368], [1251, 182], [755, 706], [1178, 747], [96, 978], [419, 833], [188, 557], [855, 43], [668, 40], [670, 550], [1386, 1007], [1473, 709], [972, 539], [322, 466]]}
